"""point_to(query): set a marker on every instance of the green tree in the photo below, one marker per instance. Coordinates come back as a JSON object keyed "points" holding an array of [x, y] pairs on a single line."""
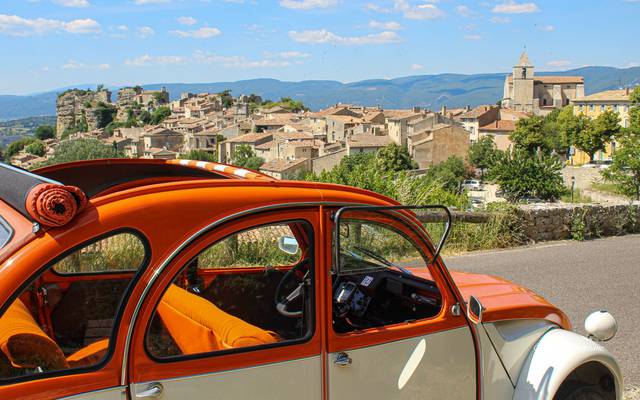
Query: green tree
{"points": [[243, 156], [44, 132], [520, 175], [449, 173], [530, 135], [37, 148], [199, 155], [394, 158], [82, 149], [160, 114], [483, 153], [17, 146], [227, 99], [598, 133], [634, 112], [571, 126], [145, 117], [625, 169]]}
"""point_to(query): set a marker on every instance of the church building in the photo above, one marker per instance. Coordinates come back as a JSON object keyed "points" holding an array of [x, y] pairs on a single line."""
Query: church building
{"points": [[539, 95]]}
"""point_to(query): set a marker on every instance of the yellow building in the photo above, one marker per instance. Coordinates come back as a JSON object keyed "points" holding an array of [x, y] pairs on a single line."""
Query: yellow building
{"points": [[595, 104]]}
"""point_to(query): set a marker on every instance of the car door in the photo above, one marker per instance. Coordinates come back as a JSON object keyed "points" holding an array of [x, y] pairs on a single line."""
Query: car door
{"points": [[233, 315], [396, 332]]}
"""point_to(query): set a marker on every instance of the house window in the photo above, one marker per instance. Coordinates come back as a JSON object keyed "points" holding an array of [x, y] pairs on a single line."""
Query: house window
{"points": [[544, 102], [591, 107], [615, 107], [602, 107], [581, 108]]}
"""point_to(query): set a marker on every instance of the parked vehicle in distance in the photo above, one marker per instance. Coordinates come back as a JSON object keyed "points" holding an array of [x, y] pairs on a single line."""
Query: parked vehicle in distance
{"points": [[472, 184], [152, 279]]}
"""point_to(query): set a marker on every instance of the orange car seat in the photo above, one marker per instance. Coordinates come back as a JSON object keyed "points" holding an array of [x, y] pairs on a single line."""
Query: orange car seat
{"points": [[198, 326], [24, 344]]}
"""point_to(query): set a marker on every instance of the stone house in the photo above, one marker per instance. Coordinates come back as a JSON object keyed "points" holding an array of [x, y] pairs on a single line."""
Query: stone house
{"points": [[434, 145], [339, 126], [159, 137], [250, 139], [160, 154], [539, 95], [285, 169], [359, 144]]}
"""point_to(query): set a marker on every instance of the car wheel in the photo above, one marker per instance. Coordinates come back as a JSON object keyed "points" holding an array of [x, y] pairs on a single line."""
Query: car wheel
{"points": [[592, 392]]}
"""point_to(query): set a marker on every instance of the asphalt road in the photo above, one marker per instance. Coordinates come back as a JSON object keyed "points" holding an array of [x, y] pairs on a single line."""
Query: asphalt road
{"points": [[578, 277]]}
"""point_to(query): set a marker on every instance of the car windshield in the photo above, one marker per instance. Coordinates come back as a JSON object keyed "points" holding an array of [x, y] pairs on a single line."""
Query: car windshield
{"points": [[367, 246], [5, 232]]}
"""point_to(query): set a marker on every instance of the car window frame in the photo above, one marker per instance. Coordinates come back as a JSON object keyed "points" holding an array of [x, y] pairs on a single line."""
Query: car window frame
{"points": [[117, 319], [311, 331]]}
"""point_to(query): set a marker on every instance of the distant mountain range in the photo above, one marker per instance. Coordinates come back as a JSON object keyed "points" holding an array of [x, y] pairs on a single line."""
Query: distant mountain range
{"points": [[428, 91]]}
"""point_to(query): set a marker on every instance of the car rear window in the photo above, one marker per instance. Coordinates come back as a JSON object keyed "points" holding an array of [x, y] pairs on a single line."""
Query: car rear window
{"points": [[6, 232]]}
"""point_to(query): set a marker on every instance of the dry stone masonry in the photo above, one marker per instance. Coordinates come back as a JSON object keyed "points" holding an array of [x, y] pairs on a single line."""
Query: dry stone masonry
{"points": [[578, 221]]}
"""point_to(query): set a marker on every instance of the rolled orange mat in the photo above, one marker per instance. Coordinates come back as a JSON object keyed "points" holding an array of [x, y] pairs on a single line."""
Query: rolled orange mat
{"points": [[54, 205]]}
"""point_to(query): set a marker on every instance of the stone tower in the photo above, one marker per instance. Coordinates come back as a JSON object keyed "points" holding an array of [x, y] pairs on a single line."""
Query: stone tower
{"points": [[522, 99]]}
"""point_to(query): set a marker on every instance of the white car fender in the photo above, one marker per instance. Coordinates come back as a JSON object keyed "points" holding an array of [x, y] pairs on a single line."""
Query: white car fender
{"points": [[554, 357]]}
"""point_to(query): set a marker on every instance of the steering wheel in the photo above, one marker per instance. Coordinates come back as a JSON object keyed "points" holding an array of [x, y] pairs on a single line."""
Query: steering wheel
{"points": [[283, 302]]}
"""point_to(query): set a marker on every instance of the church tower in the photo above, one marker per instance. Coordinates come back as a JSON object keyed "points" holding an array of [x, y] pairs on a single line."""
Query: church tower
{"points": [[522, 99]]}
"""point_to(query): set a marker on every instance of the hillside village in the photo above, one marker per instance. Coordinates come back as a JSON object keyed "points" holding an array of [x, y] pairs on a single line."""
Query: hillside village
{"points": [[289, 139]]}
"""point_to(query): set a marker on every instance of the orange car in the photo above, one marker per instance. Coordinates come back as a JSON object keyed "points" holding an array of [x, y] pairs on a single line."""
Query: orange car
{"points": [[133, 279]]}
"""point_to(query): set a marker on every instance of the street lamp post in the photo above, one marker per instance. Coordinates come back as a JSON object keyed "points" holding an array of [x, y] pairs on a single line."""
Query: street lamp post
{"points": [[573, 185]]}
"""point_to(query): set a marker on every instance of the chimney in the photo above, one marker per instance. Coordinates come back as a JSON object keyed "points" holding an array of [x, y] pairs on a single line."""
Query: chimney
{"points": [[416, 109], [443, 111], [467, 108], [626, 91]]}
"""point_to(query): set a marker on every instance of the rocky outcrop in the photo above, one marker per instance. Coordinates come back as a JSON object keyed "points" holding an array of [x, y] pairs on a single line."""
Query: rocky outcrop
{"points": [[133, 100], [75, 109]]}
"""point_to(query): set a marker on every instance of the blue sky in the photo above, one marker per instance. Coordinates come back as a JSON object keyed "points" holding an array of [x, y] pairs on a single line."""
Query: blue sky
{"points": [[47, 44]]}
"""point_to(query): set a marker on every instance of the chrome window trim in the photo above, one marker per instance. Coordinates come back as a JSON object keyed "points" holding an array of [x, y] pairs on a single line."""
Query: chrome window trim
{"points": [[190, 240]]}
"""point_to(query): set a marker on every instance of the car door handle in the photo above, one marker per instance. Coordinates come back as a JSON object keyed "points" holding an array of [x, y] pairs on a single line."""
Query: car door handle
{"points": [[342, 360], [153, 390]]}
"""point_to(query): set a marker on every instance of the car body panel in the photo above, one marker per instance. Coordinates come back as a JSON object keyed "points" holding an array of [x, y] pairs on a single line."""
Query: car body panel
{"points": [[289, 380], [514, 339], [495, 380], [440, 365], [555, 356]]}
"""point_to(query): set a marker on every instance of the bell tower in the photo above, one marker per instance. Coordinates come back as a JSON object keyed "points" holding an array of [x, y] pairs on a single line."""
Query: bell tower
{"points": [[523, 84]]}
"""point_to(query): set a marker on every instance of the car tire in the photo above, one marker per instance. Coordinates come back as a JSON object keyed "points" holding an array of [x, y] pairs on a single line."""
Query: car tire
{"points": [[590, 392]]}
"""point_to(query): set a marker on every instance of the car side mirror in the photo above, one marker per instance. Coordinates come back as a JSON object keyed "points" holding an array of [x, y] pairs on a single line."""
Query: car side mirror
{"points": [[288, 244], [475, 310]]}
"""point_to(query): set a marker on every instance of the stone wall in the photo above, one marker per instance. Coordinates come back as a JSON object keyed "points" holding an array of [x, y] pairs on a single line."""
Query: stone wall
{"points": [[75, 106], [578, 221], [327, 162]]}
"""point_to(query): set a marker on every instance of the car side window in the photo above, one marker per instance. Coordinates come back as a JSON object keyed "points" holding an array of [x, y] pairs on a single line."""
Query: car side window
{"points": [[61, 322], [382, 275], [250, 289]]}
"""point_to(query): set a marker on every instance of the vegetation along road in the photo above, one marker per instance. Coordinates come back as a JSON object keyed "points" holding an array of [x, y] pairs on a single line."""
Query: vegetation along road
{"points": [[579, 277]]}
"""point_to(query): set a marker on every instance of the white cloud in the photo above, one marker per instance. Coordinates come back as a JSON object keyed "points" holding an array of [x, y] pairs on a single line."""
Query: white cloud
{"points": [[416, 67], [143, 2], [500, 20], [558, 63], [287, 54], [14, 25], [421, 11], [511, 7], [145, 32], [633, 64], [473, 37], [72, 3], [239, 61], [73, 64], [377, 8], [324, 36], [389, 26], [464, 11], [146, 60], [187, 21], [307, 4], [547, 28], [86, 25], [122, 28], [201, 33]]}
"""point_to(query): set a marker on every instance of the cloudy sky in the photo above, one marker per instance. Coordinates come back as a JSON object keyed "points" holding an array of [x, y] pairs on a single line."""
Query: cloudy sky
{"points": [[47, 44]]}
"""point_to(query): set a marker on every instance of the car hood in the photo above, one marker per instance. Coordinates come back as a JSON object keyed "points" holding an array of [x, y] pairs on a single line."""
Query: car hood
{"points": [[505, 300]]}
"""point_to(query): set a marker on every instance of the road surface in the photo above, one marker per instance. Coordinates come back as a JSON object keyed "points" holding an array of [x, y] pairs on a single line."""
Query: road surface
{"points": [[578, 277]]}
